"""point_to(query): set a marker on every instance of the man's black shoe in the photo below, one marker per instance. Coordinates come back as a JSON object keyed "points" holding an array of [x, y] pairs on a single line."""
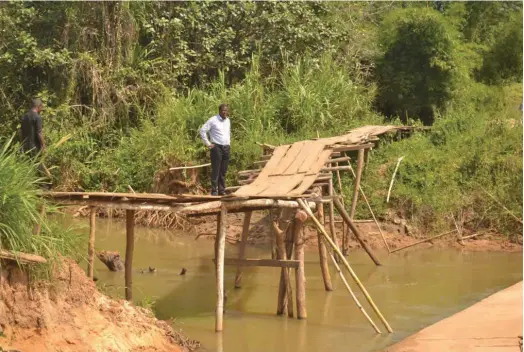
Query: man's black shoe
{"points": [[222, 194]]}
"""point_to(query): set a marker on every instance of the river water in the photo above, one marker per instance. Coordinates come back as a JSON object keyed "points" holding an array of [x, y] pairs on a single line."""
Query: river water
{"points": [[413, 289]]}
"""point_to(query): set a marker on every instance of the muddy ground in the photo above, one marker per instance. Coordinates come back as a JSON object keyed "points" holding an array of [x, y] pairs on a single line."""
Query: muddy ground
{"points": [[69, 314], [396, 237]]}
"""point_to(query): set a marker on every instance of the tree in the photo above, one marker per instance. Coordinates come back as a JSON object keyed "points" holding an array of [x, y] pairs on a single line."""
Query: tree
{"points": [[416, 70]]}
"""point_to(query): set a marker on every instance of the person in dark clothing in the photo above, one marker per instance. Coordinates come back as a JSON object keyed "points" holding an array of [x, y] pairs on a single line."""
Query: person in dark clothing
{"points": [[219, 129], [31, 129]]}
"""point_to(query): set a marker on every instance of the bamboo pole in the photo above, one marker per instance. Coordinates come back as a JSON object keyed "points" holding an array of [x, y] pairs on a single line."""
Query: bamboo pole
{"points": [[38, 226], [344, 234], [300, 277], [290, 242], [393, 178], [91, 243], [22, 258], [285, 283], [331, 213], [354, 229], [130, 246], [220, 246], [372, 213], [426, 240], [337, 267], [189, 167], [356, 187], [322, 251], [242, 247], [345, 262]]}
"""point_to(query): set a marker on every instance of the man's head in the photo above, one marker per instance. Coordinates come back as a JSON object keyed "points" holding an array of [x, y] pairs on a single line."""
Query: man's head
{"points": [[37, 105], [223, 110]]}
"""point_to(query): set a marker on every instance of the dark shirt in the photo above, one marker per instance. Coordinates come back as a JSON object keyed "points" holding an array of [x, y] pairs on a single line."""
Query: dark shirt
{"points": [[31, 126]]}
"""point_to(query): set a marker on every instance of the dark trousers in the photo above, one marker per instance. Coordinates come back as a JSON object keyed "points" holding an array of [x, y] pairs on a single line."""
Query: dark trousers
{"points": [[219, 164]]}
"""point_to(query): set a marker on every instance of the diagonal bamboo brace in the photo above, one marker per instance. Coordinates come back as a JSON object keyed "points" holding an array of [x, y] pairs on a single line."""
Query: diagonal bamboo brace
{"points": [[344, 261]]}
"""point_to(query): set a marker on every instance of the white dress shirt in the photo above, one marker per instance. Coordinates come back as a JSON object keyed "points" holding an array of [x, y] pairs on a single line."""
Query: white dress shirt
{"points": [[219, 130]]}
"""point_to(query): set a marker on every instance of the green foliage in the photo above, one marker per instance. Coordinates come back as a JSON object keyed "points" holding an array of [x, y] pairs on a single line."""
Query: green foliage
{"points": [[503, 60], [475, 148], [416, 73], [20, 202], [132, 82]]}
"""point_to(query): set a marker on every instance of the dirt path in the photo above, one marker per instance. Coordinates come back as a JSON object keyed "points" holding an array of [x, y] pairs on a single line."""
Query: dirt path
{"points": [[493, 324]]}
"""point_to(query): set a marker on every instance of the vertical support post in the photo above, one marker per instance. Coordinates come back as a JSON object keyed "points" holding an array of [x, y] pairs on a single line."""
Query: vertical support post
{"points": [[242, 248], [284, 290], [332, 214], [38, 225], [360, 162], [273, 237], [344, 233], [91, 243], [130, 246], [220, 248], [300, 277], [322, 251]]}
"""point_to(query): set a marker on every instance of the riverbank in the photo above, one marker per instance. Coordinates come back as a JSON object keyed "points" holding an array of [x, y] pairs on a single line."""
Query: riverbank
{"points": [[69, 314], [395, 234], [492, 324]]}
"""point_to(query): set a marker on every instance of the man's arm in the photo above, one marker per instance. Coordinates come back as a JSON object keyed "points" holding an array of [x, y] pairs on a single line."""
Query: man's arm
{"points": [[203, 133]]}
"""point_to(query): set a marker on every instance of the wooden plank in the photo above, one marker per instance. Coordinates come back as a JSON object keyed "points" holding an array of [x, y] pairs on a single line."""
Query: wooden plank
{"points": [[348, 148], [260, 181], [307, 148], [273, 263], [287, 160], [308, 180], [22, 257], [313, 155], [189, 167]]}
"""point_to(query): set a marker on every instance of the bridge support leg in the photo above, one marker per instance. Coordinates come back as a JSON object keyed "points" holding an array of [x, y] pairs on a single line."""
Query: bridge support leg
{"points": [[242, 247], [322, 251], [360, 162], [220, 244], [130, 247], [300, 277], [91, 243]]}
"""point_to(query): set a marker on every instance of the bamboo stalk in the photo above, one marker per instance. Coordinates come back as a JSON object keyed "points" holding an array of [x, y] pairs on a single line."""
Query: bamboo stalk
{"points": [[502, 205], [344, 234], [130, 246], [354, 229], [300, 277], [372, 213], [345, 262], [242, 247], [189, 167], [91, 243], [220, 249], [38, 226], [356, 187], [22, 257], [285, 283], [393, 178], [322, 251], [426, 240], [355, 299]]}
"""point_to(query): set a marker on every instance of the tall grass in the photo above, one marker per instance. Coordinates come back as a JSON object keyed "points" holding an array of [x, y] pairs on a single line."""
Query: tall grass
{"points": [[305, 98], [20, 201], [472, 151]]}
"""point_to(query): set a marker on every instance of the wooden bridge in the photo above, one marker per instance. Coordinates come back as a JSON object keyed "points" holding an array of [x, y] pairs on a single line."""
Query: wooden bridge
{"points": [[291, 181]]}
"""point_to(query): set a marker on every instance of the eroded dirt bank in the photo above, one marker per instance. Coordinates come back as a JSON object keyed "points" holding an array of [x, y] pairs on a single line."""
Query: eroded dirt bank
{"points": [[395, 236], [69, 314]]}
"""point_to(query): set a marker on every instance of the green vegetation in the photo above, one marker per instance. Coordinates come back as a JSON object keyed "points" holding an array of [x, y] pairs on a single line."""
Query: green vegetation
{"points": [[133, 81], [19, 209]]}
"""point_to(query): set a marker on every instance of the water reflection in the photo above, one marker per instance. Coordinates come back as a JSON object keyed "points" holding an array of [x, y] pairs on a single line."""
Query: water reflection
{"points": [[412, 289]]}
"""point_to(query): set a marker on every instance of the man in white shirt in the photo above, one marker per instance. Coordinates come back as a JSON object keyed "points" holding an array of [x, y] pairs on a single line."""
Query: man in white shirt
{"points": [[219, 129]]}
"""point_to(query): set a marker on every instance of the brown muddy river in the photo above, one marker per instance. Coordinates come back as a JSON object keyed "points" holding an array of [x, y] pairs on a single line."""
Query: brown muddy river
{"points": [[413, 289]]}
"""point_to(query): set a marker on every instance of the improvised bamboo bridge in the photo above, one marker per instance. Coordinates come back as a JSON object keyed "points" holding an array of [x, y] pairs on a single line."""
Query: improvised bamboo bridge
{"points": [[294, 182]]}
